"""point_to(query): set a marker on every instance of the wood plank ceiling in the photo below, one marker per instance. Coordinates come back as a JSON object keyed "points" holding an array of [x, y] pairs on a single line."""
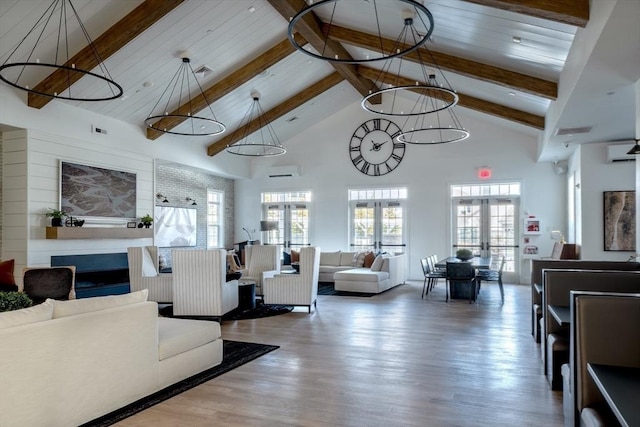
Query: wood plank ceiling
{"points": [[473, 41]]}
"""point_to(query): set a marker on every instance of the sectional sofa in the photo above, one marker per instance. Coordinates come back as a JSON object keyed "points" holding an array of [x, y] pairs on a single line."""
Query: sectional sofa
{"points": [[63, 363], [340, 268]]}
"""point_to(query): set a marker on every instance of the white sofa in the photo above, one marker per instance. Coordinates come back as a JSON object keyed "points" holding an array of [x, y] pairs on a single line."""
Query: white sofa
{"points": [[64, 363], [384, 274], [332, 262]]}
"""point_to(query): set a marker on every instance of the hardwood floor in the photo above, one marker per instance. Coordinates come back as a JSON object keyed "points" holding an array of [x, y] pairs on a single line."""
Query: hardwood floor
{"points": [[393, 359]]}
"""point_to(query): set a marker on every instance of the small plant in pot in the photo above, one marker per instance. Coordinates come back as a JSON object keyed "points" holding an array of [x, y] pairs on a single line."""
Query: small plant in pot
{"points": [[464, 254], [56, 216], [10, 301], [146, 220]]}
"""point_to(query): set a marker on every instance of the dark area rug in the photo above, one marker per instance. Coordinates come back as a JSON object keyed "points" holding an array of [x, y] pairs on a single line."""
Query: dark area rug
{"points": [[326, 288], [261, 310], [235, 353]]}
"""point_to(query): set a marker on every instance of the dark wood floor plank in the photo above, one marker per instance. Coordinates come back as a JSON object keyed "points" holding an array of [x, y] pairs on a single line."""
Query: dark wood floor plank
{"points": [[394, 359]]}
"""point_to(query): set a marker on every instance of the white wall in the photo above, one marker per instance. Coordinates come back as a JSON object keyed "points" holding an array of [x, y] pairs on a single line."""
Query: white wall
{"points": [[597, 176], [427, 172]]}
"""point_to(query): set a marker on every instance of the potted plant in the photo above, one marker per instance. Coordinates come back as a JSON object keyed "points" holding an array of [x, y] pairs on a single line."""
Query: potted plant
{"points": [[464, 254], [146, 220], [14, 301], [56, 216]]}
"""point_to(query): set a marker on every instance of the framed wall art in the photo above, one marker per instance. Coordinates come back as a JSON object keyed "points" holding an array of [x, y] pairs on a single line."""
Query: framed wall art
{"points": [[90, 191], [619, 220]]}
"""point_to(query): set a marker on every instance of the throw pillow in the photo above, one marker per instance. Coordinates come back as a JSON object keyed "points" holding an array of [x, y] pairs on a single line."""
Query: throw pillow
{"points": [[87, 305], [368, 259], [148, 266], [358, 259], [295, 256], [6, 272], [377, 263], [286, 258], [24, 316]]}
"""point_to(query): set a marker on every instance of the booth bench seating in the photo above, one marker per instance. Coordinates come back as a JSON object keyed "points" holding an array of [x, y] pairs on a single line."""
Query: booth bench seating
{"points": [[65, 363], [385, 272]]}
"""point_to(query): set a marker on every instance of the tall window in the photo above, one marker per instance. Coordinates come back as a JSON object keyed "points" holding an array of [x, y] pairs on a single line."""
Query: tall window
{"points": [[486, 220], [378, 219], [215, 220], [291, 211]]}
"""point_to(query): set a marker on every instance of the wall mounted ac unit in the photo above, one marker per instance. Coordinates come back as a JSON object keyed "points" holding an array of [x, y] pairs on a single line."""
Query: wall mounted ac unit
{"points": [[618, 153], [284, 171]]}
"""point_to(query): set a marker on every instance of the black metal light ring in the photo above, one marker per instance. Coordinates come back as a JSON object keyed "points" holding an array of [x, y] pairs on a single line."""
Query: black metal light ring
{"points": [[151, 120], [409, 88]]}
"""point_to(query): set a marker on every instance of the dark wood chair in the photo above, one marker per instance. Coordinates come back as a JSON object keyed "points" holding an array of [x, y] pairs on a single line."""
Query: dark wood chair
{"points": [[430, 276], [462, 272]]}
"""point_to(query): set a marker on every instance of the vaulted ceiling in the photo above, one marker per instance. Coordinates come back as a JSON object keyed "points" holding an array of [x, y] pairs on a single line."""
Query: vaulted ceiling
{"points": [[504, 58]]}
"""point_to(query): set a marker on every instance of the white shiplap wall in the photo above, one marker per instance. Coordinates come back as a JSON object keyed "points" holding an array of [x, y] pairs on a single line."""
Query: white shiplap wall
{"points": [[45, 150], [14, 202]]}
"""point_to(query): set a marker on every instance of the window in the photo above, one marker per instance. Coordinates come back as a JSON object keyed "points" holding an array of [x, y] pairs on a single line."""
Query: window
{"points": [[291, 211], [485, 220], [215, 219], [378, 219]]}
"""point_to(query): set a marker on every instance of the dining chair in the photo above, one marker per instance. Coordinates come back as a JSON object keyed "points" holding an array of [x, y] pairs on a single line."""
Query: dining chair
{"points": [[494, 274], [430, 276], [462, 272]]}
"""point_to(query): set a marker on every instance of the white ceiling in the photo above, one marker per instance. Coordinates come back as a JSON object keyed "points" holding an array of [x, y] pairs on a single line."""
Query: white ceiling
{"points": [[226, 34]]}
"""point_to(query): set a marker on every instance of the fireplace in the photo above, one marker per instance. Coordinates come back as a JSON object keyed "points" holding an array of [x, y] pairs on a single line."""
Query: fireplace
{"points": [[97, 274]]}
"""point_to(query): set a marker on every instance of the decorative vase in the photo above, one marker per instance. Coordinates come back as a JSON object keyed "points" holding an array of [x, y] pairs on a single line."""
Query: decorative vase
{"points": [[147, 224], [56, 222]]}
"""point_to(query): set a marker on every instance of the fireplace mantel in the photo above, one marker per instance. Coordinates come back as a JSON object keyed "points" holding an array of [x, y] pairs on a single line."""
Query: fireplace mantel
{"points": [[98, 233]]}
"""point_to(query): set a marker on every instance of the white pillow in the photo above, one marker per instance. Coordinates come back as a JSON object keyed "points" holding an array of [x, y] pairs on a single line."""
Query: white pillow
{"points": [[86, 305], [358, 259], [377, 263], [24, 316], [330, 258], [148, 266]]}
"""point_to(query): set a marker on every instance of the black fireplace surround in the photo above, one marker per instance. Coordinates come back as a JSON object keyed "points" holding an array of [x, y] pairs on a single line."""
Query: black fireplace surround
{"points": [[97, 274]]}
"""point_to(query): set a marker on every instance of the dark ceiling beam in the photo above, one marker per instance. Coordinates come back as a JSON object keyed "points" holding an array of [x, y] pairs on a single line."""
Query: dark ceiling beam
{"points": [[276, 112], [466, 101], [311, 29], [476, 70], [112, 40], [240, 76], [572, 12]]}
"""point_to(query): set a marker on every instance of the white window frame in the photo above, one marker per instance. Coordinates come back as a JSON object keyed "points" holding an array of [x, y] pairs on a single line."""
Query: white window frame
{"points": [[211, 223]]}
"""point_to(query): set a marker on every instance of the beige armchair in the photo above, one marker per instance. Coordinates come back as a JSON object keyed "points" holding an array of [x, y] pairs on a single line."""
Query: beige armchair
{"points": [[261, 261], [199, 283], [296, 289], [144, 274]]}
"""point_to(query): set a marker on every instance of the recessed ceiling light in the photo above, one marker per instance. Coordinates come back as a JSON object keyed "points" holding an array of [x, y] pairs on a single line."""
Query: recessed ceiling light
{"points": [[512, 94], [147, 84], [251, 9], [517, 39]]}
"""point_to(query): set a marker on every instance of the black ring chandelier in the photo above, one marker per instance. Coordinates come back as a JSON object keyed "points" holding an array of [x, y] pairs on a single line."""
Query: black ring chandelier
{"points": [[20, 68], [333, 13], [178, 93]]}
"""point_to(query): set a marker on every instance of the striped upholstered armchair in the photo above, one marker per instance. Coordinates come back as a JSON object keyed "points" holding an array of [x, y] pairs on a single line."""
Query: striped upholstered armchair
{"points": [[200, 286], [296, 289], [261, 261], [144, 274]]}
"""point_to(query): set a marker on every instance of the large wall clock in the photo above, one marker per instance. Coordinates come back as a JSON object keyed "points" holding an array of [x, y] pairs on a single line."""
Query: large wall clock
{"points": [[373, 147]]}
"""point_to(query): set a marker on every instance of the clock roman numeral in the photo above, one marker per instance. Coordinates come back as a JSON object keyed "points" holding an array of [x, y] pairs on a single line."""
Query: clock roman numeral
{"points": [[365, 127], [354, 148], [376, 170], [365, 167], [357, 160], [398, 145], [396, 157], [396, 134], [376, 124]]}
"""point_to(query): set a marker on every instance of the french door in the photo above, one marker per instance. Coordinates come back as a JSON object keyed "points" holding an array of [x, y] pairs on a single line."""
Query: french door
{"points": [[488, 227], [378, 226], [293, 224]]}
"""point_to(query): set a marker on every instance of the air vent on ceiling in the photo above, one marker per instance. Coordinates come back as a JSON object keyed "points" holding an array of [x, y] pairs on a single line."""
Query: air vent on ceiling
{"points": [[573, 131], [203, 71]]}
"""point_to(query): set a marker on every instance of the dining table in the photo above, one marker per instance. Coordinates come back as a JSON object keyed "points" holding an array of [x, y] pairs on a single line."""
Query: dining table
{"points": [[476, 262]]}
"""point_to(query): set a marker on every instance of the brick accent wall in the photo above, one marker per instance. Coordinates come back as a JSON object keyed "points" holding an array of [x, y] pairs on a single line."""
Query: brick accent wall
{"points": [[179, 183]]}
